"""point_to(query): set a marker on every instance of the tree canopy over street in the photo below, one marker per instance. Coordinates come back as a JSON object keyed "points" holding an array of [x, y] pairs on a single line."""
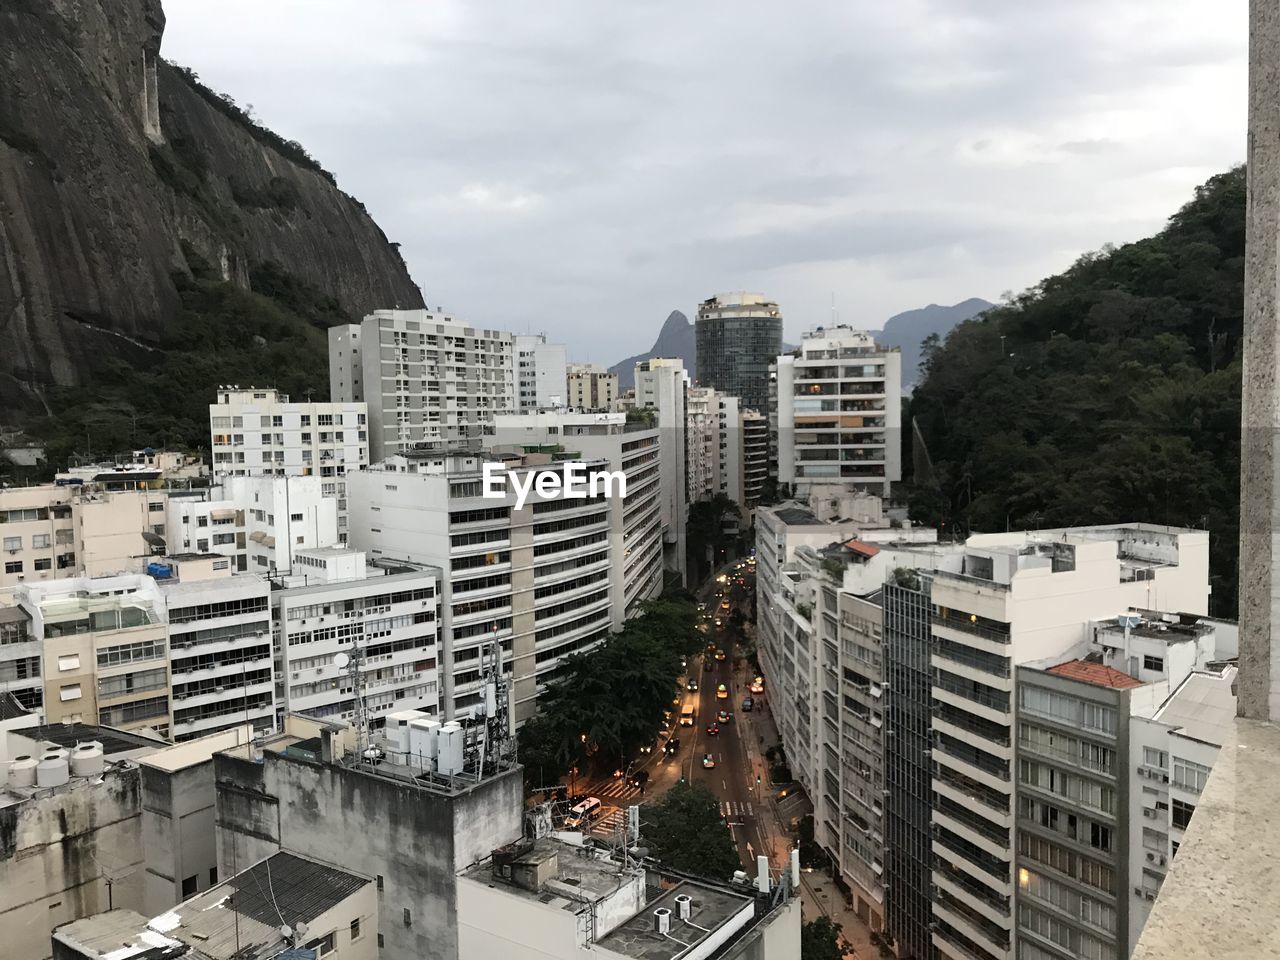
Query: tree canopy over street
{"points": [[600, 707], [685, 831]]}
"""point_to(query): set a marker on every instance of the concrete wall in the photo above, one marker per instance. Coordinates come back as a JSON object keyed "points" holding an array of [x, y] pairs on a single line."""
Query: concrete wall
{"points": [[57, 853], [177, 834], [414, 840]]}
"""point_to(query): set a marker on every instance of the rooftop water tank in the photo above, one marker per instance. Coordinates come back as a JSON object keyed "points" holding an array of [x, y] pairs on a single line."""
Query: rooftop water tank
{"points": [[88, 761], [449, 749], [53, 770], [22, 772]]}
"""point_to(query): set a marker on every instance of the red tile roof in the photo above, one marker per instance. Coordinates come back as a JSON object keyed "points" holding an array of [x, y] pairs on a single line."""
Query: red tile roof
{"points": [[1095, 673], [866, 549]]}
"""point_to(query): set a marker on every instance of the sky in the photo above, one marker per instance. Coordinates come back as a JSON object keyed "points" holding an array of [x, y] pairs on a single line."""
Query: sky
{"points": [[584, 168]]}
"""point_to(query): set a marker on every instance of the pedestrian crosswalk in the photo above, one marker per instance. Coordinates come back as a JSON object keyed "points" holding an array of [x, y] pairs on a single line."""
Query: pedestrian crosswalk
{"points": [[610, 822], [617, 788], [736, 808]]}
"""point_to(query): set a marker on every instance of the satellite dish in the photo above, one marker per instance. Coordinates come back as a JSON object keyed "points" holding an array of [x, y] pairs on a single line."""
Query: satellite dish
{"points": [[285, 931], [301, 928], [342, 660]]}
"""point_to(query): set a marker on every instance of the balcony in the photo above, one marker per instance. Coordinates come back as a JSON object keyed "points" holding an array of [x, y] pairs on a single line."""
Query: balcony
{"points": [[1225, 880]]}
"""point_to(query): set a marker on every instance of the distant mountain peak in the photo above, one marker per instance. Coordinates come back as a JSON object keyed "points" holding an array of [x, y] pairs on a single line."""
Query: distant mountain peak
{"points": [[675, 339]]}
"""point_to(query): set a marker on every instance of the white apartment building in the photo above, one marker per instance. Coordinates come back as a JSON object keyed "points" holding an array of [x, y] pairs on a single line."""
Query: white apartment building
{"points": [[635, 521], [258, 522], [221, 668], [1021, 598], [541, 373], [839, 412], [537, 580], [104, 650], [998, 602], [591, 387], [662, 385], [55, 531], [702, 444], [20, 659], [383, 616], [428, 380], [258, 432]]}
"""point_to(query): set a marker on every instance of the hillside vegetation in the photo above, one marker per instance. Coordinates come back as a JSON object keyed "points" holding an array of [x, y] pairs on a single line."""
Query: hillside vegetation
{"points": [[1108, 393]]}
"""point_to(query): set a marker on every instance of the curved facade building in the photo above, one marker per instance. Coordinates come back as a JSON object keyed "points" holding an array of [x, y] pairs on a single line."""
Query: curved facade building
{"points": [[738, 336]]}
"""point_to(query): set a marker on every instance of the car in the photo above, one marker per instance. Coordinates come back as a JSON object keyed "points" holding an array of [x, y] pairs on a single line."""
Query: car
{"points": [[672, 746], [638, 779], [713, 730], [748, 704], [722, 692], [646, 747], [708, 762], [692, 685], [757, 686], [724, 716], [617, 774], [719, 622], [720, 654]]}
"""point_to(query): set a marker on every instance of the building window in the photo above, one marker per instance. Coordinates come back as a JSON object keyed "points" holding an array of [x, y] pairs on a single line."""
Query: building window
{"points": [[408, 918], [1181, 813], [13, 566], [40, 541], [355, 929], [70, 691], [1153, 663], [45, 564], [189, 886], [1152, 757], [380, 883], [213, 876], [295, 517], [322, 945], [1189, 775], [13, 543], [68, 661]]}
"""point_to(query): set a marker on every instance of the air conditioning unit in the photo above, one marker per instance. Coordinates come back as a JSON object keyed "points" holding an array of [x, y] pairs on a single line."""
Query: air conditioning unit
{"points": [[1150, 895], [1151, 858], [1137, 891]]}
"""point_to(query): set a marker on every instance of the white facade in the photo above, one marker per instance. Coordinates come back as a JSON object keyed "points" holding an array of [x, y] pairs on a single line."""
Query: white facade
{"points": [[258, 432], [635, 521], [662, 385], [536, 580], [428, 379], [702, 444], [221, 664], [259, 522], [335, 602], [839, 412], [541, 373]]}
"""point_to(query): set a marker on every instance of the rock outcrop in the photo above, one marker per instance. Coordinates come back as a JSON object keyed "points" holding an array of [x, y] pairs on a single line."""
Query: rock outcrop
{"points": [[119, 170]]}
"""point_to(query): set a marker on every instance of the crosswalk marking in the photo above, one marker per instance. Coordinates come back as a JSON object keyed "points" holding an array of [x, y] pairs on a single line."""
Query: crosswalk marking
{"points": [[736, 808], [610, 822], [616, 788]]}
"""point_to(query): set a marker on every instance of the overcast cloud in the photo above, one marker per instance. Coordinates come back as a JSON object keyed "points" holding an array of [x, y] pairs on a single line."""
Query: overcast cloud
{"points": [[583, 168]]}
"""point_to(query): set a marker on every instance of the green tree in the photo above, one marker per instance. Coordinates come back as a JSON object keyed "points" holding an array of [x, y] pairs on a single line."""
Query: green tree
{"points": [[1108, 393], [684, 830], [820, 940]]}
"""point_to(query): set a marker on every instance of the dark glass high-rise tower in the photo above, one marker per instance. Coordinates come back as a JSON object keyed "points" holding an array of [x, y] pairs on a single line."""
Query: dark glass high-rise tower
{"points": [[738, 336]]}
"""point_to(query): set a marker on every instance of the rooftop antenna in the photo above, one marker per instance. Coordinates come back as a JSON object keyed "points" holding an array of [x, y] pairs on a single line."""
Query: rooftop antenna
{"points": [[353, 662]]}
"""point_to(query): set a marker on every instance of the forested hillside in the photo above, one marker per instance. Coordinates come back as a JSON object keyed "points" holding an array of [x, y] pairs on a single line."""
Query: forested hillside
{"points": [[1110, 392]]}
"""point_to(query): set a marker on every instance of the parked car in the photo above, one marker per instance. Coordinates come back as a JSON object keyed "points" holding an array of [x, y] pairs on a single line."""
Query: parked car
{"points": [[748, 704], [708, 762]]}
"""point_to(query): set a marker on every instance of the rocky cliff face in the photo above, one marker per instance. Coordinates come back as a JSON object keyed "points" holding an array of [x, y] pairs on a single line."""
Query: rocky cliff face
{"points": [[118, 170]]}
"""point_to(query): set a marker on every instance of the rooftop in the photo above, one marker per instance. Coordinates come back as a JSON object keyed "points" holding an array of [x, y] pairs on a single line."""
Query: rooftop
{"points": [[113, 741], [207, 927], [1095, 673], [1203, 707], [559, 874], [713, 909]]}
